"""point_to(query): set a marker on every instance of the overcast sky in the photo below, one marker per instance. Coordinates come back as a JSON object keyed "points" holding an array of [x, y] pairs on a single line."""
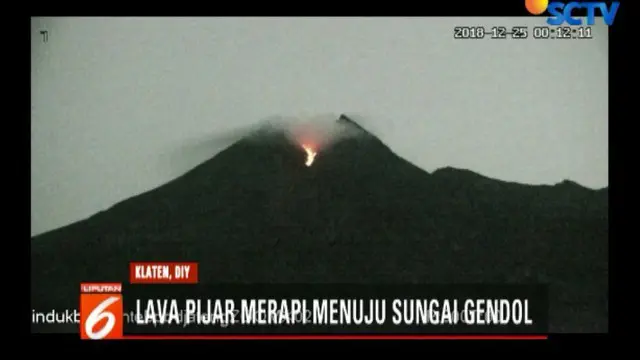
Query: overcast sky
{"points": [[115, 100]]}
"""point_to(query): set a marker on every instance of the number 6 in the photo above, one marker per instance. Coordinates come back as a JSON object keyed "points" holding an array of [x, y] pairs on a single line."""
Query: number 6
{"points": [[97, 314]]}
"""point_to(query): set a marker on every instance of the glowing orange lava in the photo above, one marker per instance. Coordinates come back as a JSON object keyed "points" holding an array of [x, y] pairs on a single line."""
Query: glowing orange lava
{"points": [[311, 154]]}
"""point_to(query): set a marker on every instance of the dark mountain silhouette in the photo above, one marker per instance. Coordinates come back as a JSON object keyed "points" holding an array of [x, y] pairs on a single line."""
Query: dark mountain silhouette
{"points": [[256, 213]]}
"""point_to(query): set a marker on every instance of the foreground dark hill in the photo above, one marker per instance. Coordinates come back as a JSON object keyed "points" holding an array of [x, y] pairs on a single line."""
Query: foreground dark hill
{"points": [[256, 213]]}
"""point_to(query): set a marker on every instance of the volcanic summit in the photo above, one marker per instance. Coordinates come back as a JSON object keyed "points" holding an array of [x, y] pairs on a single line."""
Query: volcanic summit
{"points": [[263, 212]]}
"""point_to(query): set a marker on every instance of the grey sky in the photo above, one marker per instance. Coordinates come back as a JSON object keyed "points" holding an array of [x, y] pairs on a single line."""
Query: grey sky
{"points": [[114, 99]]}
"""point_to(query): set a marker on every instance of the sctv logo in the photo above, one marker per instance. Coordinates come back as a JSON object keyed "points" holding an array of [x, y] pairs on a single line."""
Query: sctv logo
{"points": [[563, 12]]}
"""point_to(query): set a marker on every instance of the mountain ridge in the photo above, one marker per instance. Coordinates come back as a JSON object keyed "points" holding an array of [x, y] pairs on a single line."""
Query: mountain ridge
{"points": [[360, 213], [457, 172]]}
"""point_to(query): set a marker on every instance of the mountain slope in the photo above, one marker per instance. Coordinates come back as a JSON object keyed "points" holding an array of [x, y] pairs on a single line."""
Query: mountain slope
{"points": [[256, 213]]}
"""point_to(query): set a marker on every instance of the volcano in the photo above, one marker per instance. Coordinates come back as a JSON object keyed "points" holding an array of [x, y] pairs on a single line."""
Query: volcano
{"points": [[258, 213]]}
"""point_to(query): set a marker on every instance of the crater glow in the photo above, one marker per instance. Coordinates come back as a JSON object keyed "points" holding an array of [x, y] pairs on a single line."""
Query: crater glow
{"points": [[311, 154]]}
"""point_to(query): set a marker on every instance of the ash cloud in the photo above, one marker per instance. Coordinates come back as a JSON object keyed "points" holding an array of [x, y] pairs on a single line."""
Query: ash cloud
{"points": [[319, 131]]}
